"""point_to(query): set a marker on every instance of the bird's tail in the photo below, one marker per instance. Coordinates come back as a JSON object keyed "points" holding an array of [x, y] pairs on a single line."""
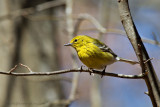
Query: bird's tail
{"points": [[127, 61]]}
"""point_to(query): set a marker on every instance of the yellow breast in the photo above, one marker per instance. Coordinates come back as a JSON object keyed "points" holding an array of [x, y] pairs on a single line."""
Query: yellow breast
{"points": [[95, 58]]}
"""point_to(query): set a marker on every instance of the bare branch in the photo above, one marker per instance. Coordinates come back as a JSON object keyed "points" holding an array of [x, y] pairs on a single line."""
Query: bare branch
{"points": [[146, 93], [26, 67], [151, 78], [31, 10], [140, 76], [12, 69], [62, 102], [155, 38], [88, 17], [151, 41], [49, 4], [102, 30]]}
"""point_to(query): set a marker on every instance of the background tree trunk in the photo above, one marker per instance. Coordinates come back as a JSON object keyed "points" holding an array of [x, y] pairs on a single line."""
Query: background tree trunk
{"points": [[32, 43]]}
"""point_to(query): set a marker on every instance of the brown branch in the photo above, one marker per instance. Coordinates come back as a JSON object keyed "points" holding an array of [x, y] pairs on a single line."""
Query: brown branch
{"points": [[155, 38], [63, 102], [102, 30], [82, 18], [12, 69], [31, 10], [151, 41], [140, 76], [151, 78], [119, 32], [50, 4], [26, 67], [88, 17], [29, 69]]}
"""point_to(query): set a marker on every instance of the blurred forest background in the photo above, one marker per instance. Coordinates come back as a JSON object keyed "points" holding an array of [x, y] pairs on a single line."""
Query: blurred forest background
{"points": [[33, 32]]}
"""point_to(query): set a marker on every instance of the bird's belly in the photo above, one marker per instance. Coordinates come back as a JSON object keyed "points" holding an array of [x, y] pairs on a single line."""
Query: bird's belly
{"points": [[97, 61]]}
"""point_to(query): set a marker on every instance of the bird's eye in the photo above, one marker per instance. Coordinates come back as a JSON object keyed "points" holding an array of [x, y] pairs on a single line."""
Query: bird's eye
{"points": [[75, 40]]}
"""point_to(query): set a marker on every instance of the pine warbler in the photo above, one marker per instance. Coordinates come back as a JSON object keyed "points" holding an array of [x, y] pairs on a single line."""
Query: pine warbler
{"points": [[95, 54]]}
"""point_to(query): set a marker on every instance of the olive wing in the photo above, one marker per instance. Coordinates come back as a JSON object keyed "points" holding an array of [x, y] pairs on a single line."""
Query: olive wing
{"points": [[104, 47]]}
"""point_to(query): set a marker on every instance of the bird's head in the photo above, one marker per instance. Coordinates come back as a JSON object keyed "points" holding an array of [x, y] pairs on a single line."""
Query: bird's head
{"points": [[79, 41]]}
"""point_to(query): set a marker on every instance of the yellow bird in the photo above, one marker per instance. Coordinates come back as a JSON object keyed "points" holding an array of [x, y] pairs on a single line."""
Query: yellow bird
{"points": [[94, 53]]}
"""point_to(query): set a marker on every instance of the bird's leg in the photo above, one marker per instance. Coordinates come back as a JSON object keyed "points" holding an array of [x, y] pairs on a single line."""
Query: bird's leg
{"points": [[103, 72], [91, 71], [81, 69]]}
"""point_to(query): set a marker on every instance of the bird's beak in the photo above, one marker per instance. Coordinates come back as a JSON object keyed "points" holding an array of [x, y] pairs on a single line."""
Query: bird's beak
{"points": [[68, 44]]}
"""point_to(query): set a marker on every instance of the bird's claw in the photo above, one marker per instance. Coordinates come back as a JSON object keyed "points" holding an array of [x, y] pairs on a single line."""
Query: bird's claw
{"points": [[90, 71], [81, 69], [103, 72]]}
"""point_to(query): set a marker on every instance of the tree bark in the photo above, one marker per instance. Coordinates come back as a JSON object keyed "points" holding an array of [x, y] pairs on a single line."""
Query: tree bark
{"points": [[151, 78]]}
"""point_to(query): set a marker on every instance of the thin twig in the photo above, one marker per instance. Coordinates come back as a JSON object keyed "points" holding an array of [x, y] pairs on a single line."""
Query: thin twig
{"points": [[31, 10], [151, 41], [147, 93], [26, 67], [102, 30], [121, 33], [62, 102], [50, 4], [155, 38], [148, 60], [140, 76], [28, 11], [12, 69], [90, 18]]}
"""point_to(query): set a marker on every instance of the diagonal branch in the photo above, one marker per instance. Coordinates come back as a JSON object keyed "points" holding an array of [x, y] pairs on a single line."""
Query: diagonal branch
{"points": [[90, 18], [151, 78]]}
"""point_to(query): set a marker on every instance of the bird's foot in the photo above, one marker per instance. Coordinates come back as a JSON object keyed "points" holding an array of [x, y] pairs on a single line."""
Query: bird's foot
{"points": [[81, 69], [103, 72], [91, 71]]}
